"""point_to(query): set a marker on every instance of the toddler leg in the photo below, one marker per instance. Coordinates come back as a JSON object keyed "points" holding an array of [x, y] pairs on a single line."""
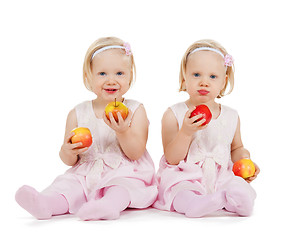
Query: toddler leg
{"points": [[240, 197], [115, 200], [40, 205], [183, 200], [194, 205]]}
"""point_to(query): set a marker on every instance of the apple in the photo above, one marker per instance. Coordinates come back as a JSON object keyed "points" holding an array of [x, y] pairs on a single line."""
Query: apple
{"points": [[243, 168], [82, 135], [204, 110], [114, 108]]}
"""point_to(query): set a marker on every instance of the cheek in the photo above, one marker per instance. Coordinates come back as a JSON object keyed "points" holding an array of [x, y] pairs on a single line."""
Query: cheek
{"points": [[218, 86], [191, 84], [191, 88], [126, 79], [96, 83]]}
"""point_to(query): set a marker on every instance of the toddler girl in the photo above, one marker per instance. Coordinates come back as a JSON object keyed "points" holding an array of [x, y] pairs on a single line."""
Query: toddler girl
{"points": [[195, 175], [116, 171]]}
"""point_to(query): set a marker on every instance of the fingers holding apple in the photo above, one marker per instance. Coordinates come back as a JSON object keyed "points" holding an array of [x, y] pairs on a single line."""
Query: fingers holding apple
{"points": [[199, 121], [196, 118], [257, 170], [246, 169], [192, 124], [120, 125], [203, 112], [72, 149], [82, 137], [114, 108], [69, 142]]}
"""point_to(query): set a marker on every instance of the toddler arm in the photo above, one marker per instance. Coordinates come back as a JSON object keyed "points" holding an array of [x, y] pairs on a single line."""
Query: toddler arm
{"points": [[176, 142], [69, 152], [133, 141], [237, 148], [239, 152]]}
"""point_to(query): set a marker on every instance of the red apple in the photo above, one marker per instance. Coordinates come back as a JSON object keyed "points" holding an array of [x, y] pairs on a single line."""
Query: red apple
{"points": [[114, 108], [204, 110], [243, 168], [82, 135]]}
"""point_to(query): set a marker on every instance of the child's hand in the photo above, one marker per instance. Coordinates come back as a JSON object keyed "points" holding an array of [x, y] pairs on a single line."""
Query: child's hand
{"points": [[190, 126], [71, 150], [257, 170], [122, 125]]}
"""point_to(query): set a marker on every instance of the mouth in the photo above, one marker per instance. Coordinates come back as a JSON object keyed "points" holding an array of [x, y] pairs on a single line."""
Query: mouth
{"points": [[110, 90], [203, 92]]}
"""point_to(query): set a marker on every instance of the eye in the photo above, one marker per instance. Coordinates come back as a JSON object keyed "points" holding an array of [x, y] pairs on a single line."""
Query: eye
{"points": [[213, 76], [196, 75], [102, 73], [120, 73]]}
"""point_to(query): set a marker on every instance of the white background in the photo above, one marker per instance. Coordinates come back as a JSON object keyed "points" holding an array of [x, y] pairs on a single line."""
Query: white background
{"points": [[42, 48]]}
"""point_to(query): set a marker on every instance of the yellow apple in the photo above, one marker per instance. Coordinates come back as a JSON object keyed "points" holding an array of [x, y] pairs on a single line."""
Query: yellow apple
{"points": [[114, 108]]}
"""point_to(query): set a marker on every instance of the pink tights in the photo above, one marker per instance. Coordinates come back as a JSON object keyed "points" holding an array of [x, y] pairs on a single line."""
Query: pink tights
{"points": [[115, 200], [47, 204], [195, 205], [40, 205]]}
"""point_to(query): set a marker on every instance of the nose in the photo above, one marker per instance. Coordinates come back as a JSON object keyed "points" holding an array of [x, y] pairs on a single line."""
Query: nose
{"points": [[110, 80], [203, 82]]}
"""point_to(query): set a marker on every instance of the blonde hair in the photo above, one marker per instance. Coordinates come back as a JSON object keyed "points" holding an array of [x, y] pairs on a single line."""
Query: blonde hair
{"points": [[98, 44], [211, 44]]}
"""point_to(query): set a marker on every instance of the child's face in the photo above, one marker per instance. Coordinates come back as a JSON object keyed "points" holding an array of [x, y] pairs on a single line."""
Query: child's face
{"points": [[205, 76], [111, 74]]}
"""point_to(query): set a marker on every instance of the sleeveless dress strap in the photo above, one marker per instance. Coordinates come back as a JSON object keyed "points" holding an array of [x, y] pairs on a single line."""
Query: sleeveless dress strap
{"points": [[179, 111], [83, 111], [231, 117], [132, 104]]}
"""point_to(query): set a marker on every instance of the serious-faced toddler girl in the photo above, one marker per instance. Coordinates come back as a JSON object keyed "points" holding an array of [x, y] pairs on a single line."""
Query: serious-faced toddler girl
{"points": [[195, 175]]}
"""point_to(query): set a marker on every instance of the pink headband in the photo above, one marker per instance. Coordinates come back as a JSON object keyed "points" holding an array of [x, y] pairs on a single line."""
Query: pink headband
{"points": [[126, 47], [228, 60]]}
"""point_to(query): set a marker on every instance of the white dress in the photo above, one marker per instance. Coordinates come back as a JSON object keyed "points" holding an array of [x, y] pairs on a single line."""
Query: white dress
{"points": [[104, 164], [207, 167]]}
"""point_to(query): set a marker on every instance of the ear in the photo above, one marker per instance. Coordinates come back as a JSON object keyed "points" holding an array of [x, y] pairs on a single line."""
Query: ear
{"points": [[225, 82], [224, 86], [131, 77]]}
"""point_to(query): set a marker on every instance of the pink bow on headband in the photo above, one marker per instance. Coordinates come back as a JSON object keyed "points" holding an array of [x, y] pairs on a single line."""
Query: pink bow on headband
{"points": [[228, 60], [127, 48]]}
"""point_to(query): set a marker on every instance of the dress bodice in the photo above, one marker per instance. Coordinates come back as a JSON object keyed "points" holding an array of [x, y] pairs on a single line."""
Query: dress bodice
{"points": [[104, 138], [210, 148]]}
